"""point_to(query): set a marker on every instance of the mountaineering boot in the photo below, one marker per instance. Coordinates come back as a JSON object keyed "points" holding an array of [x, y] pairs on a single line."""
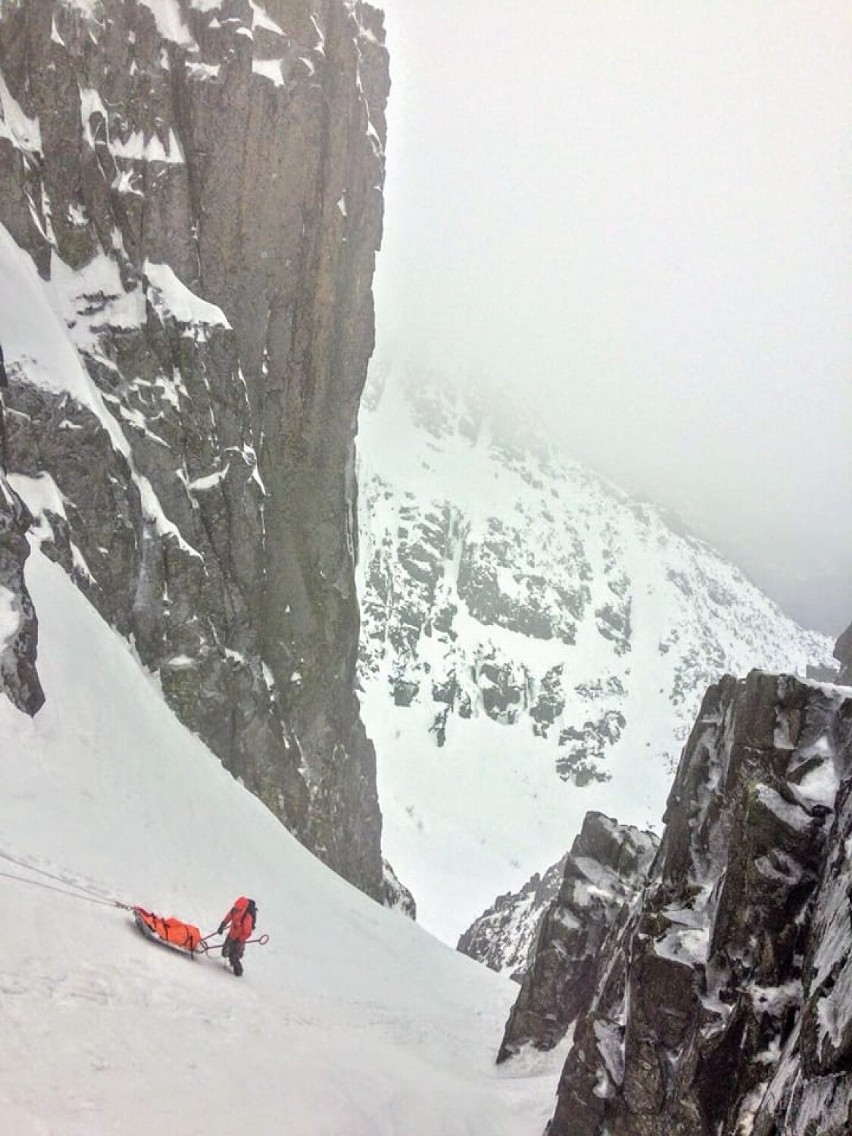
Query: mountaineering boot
{"points": [[238, 967]]}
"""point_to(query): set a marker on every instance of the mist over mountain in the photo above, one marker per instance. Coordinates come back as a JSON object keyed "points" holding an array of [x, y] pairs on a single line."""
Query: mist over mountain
{"points": [[535, 643], [212, 605], [638, 221]]}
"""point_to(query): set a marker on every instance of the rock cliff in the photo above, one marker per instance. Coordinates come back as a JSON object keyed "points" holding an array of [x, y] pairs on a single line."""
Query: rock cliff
{"points": [[603, 872], [18, 624], [532, 638], [199, 187], [724, 998], [503, 937], [843, 654]]}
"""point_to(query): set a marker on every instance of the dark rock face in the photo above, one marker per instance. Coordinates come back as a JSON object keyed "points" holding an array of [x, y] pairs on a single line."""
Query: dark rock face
{"points": [[843, 654], [205, 201], [18, 624], [504, 936], [602, 874], [724, 1005], [396, 894]]}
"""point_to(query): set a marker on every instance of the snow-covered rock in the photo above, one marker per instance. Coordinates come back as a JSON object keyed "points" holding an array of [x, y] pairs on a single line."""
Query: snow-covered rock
{"points": [[535, 644], [603, 873], [186, 317], [504, 936], [843, 654], [724, 1004], [19, 679]]}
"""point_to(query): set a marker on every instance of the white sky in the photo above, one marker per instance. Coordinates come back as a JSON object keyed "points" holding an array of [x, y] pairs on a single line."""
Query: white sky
{"points": [[641, 214]]}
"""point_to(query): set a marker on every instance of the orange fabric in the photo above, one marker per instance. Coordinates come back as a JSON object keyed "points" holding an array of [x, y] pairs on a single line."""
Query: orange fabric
{"points": [[242, 923], [171, 930]]}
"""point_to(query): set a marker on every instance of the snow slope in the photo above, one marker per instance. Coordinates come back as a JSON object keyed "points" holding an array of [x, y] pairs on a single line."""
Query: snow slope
{"points": [[535, 644], [352, 1021]]}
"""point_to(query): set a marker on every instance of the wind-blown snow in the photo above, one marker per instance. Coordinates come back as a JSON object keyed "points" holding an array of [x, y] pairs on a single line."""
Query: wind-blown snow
{"points": [[351, 1022]]}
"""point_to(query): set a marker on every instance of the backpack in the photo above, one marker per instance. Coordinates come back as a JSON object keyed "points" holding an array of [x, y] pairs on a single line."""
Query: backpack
{"points": [[243, 916]]}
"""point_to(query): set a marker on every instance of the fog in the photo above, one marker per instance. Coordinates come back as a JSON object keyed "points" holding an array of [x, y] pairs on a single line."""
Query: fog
{"points": [[639, 215]]}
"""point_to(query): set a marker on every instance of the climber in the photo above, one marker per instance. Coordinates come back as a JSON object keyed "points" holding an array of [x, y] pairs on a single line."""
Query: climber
{"points": [[242, 918]]}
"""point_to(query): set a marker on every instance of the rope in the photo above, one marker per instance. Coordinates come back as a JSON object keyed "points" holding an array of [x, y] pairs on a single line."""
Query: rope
{"points": [[75, 891], [90, 895]]}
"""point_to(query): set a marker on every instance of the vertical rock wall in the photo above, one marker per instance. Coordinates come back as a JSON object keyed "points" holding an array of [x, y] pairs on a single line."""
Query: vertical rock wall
{"points": [[603, 873], [725, 1004], [18, 624], [843, 654], [200, 188]]}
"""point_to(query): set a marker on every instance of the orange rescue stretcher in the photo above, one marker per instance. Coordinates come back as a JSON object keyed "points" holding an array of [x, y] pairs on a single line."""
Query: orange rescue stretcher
{"points": [[174, 932]]}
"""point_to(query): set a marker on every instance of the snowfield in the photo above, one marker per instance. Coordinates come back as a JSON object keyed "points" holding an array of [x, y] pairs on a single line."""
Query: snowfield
{"points": [[351, 1021], [535, 644]]}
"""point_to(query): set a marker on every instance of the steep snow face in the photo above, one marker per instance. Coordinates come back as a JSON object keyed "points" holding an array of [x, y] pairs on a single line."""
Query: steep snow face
{"points": [[534, 644], [351, 1020]]}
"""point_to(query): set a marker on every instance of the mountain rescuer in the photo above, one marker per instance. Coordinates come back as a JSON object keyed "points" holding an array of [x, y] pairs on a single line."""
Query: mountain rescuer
{"points": [[242, 918]]}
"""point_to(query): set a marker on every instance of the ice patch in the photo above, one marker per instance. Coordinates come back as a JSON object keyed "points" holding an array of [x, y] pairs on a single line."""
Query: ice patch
{"points": [[270, 69], [792, 815], [23, 132], [171, 297], [137, 148], [320, 47], [689, 945], [820, 784], [170, 23], [610, 1045], [262, 19], [155, 515], [34, 337], [40, 494], [10, 618], [203, 70], [210, 481]]}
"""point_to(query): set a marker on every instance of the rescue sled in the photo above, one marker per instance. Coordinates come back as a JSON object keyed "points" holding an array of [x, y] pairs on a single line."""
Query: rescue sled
{"points": [[170, 931]]}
